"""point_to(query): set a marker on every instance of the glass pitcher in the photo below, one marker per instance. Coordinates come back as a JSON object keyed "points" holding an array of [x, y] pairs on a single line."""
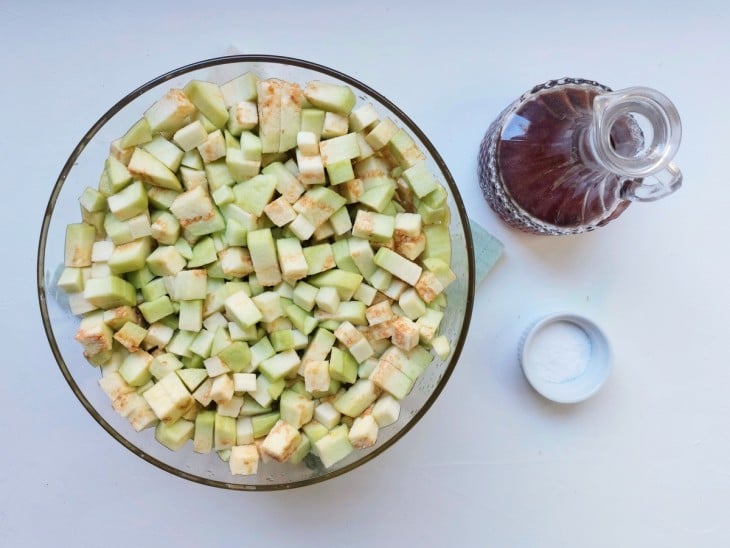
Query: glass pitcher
{"points": [[570, 155]]}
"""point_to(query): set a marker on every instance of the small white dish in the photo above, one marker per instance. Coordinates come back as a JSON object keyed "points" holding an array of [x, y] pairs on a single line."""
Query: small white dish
{"points": [[565, 357]]}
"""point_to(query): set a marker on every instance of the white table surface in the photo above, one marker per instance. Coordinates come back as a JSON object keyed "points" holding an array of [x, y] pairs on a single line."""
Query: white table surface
{"points": [[646, 462]]}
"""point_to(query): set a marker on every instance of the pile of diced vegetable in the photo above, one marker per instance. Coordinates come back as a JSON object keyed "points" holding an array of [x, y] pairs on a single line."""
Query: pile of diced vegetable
{"points": [[261, 269]]}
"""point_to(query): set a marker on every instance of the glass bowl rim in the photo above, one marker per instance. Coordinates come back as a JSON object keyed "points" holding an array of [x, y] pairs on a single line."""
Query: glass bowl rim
{"points": [[252, 58]]}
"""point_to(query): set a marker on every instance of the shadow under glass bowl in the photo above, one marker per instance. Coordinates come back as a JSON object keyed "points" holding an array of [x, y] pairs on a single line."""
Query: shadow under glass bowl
{"points": [[83, 169]]}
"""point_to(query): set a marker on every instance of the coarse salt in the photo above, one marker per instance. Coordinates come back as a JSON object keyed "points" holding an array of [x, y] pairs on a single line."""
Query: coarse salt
{"points": [[559, 352]]}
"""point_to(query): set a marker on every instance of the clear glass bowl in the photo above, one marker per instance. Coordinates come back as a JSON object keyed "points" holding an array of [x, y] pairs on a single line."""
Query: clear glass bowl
{"points": [[83, 169]]}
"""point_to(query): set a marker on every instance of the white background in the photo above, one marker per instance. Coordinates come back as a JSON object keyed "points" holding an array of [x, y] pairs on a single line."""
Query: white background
{"points": [[646, 462]]}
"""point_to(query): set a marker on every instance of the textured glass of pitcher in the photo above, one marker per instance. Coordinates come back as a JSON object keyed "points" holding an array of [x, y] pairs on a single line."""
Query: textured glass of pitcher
{"points": [[570, 155]]}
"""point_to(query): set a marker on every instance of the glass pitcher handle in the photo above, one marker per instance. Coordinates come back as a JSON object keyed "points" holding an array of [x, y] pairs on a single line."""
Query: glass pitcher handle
{"points": [[655, 186], [650, 172]]}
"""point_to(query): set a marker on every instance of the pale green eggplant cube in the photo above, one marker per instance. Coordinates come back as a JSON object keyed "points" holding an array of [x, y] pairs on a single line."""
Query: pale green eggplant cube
{"points": [[260, 351], [304, 295], [326, 417], [404, 149], [341, 252], [192, 160], [354, 340], [148, 169], [165, 260], [287, 184], [223, 195], [170, 112], [391, 379], [342, 366], [237, 357], [340, 172], [130, 336], [381, 134], [236, 262], [243, 116], [138, 134], [300, 319], [196, 213], [235, 233], [373, 226], [202, 344], [312, 121], [341, 221], [217, 174], [94, 335], [242, 309], [213, 148], [365, 294], [241, 88], [366, 151], [224, 432], [157, 309], [165, 151], [399, 266], [428, 324], [363, 117], [282, 340], [165, 363], [208, 99], [269, 108], [291, 259], [296, 409], [191, 315], [118, 174], [319, 258], [190, 136], [161, 198], [191, 285], [290, 115], [363, 432], [308, 143], [301, 227], [253, 195], [357, 398], [381, 279], [174, 435], [311, 169], [71, 280], [280, 211], [250, 144], [412, 304], [335, 446], [92, 200], [335, 125], [269, 305], [165, 228], [263, 254], [135, 368], [330, 97], [420, 179], [378, 198], [79, 243], [363, 256], [154, 289], [240, 168], [128, 202], [318, 204], [327, 299], [338, 149], [345, 282], [366, 368], [204, 253], [203, 435], [280, 365], [441, 346], [158, 335], [110, 292]]}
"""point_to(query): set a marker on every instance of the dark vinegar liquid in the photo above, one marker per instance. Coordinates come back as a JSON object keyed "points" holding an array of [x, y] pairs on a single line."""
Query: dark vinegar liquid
{"points": [[538, 161]]}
